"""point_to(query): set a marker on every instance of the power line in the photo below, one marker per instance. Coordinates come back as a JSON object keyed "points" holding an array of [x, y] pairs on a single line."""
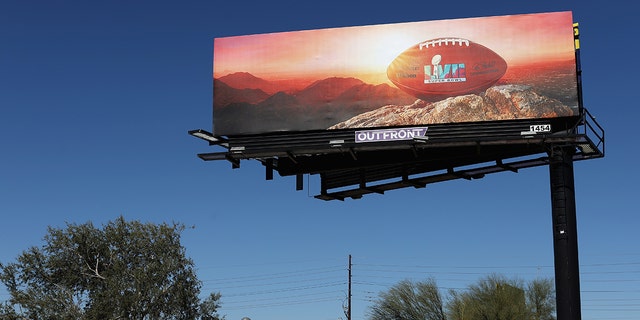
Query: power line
{"points": [[315, 294], [324, 284], [279, 304], [276, 283], [287, 289], [278, 275]]}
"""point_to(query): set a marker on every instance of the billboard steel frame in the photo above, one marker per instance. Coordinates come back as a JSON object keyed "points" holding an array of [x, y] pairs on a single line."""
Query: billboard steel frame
{"points": [[448, 152]]}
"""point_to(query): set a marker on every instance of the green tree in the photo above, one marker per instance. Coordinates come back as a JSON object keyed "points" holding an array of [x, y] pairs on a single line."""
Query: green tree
{"points": [[459, 306], [7, 312], [409, 301], [126, 270], [541, 300], [497, 298], [492, 298]]}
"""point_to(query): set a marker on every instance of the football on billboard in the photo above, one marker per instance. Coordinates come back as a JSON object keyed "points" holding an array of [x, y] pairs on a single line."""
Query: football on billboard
{"points": [[440, 68]]}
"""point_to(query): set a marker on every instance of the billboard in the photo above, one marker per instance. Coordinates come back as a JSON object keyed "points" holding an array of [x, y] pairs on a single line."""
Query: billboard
{"points": [[411, 74]]}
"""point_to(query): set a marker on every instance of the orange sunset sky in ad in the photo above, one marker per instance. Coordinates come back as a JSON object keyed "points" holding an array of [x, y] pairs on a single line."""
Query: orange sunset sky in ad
{"points": [[365, 52]]}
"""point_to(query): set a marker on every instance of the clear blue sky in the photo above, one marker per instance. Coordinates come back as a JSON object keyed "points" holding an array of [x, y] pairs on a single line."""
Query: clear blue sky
{"points": [[96, 99]]}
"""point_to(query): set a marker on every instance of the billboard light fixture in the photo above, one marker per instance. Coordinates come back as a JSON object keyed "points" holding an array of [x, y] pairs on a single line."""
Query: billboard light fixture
{"points": [[586, 148], [237, 149], [204, 135], [336, 143], [421, 139]]}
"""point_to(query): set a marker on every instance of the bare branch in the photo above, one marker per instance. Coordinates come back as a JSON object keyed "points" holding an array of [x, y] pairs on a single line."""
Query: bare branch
{"points": [[95, 273]]}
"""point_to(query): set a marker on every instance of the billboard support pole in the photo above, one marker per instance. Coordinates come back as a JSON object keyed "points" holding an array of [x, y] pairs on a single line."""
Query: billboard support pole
{"points": [[565, 234]]}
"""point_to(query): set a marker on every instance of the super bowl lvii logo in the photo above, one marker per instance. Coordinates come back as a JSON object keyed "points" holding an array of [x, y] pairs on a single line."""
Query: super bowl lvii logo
{"points": [[439, 73]]}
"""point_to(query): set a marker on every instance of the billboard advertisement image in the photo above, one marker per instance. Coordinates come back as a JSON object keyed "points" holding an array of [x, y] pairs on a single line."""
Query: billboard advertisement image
{"points": [[396, 75]]}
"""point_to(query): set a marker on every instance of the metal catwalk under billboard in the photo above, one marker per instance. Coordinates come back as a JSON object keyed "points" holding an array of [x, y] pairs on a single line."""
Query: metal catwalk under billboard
{"points": [[395, 75]]}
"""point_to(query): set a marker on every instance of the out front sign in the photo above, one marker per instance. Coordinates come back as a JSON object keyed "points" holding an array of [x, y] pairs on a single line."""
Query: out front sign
{"points": [[390, 134], [375, 78]]}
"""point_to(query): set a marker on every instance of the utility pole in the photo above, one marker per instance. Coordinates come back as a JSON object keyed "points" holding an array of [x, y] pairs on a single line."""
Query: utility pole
{"points": [[349, 294]]}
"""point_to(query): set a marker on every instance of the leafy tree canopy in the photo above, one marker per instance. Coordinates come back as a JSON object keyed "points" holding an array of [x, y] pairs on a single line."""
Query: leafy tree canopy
{"points": [[124, 270], [494, 297], [409, 300]]}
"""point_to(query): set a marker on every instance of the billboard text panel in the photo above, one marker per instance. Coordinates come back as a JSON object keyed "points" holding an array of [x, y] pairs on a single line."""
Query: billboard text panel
{"points": [[405, 74]]}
